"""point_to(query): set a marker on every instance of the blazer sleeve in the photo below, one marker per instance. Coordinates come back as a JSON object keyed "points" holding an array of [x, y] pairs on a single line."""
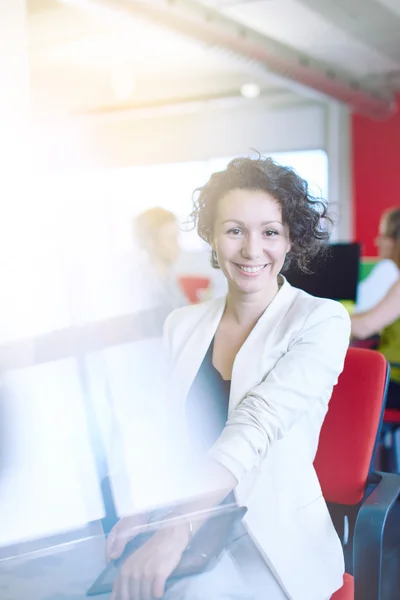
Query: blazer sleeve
{"points": [[302, 377]]}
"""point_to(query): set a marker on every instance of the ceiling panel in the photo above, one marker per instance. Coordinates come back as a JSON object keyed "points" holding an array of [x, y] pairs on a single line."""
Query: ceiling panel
{"points": [[393, 5], [85, 61], [89, 60], [312, 34], [367, 21]]}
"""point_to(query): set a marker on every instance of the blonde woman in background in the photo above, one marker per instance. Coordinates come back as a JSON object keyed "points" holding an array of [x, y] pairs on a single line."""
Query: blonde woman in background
{"points": [[384, 318], [378, 308], [374, 288], [157, 233]]}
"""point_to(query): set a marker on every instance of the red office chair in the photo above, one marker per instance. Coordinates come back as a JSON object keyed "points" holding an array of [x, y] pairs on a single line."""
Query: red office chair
{"points": [[194, 286], [343, 462], [391, 440], [391, 437]]}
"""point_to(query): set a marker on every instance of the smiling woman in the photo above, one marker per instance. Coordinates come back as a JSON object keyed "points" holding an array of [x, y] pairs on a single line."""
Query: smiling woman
{"points": [[305, 217], [250, 241], [247, 371]]}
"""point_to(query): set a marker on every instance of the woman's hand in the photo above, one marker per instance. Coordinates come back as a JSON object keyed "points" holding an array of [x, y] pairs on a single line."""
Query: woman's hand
{"points": [[123, 532], [144, 574]]}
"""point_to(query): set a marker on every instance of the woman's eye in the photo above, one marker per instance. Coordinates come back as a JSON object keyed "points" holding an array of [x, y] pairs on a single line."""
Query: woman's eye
{"points": [[270, 233], [234, 231]]}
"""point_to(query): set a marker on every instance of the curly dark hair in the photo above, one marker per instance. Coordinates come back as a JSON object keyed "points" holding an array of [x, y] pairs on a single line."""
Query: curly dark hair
{"points": [[305, 216]]}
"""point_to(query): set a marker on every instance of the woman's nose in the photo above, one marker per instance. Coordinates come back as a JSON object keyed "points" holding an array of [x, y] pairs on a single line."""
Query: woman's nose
{"points": [[252, 247]]}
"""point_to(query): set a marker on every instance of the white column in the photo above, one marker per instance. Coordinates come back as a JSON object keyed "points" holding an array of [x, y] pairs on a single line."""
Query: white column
{"points": [[48, 477], [338, 146], [14, 89]]}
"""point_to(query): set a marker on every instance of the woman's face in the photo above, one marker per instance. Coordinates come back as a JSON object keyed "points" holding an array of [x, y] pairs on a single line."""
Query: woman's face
{"points": [[383, 242], [250, 239]]}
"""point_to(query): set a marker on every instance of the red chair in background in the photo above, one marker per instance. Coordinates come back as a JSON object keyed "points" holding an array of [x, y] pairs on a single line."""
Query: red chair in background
{"points": [[391, 437], [193, 287], [390, 440], [344, 462]]}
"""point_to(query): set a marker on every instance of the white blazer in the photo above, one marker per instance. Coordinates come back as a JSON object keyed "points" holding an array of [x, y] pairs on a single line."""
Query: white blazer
{"points": [[282, 381]]}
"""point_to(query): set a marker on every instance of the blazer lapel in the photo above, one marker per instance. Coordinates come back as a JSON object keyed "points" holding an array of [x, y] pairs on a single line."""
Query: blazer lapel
{"points": [[194, 350], [248, 365], [246, 371]]}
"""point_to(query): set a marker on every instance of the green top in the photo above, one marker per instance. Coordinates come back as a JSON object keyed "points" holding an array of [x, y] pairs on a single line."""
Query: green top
{"points": [[390, 347]]}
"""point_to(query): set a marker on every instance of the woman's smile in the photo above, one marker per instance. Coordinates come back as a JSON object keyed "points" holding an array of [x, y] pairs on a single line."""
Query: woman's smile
{"points": [[250, 270]]}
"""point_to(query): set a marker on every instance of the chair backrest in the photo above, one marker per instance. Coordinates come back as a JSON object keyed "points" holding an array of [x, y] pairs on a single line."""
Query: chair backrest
{"points": [[193, 286], [351, 427]]}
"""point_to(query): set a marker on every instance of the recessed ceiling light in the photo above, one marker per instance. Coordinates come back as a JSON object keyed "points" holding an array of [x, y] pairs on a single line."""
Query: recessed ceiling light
{"points": [[250, 90]]}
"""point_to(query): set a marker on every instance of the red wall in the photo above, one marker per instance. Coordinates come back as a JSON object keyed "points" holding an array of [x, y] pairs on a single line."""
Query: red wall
{"points": [[376, 174]]}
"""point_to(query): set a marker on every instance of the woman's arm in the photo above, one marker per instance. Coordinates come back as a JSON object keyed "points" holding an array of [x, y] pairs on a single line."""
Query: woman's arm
{"points": [[144, 573], [300, 380], [383, 314]]}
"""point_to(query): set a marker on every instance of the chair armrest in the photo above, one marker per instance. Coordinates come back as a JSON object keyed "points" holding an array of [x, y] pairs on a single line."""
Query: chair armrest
{"points": [[368, 534], [370, 343]]}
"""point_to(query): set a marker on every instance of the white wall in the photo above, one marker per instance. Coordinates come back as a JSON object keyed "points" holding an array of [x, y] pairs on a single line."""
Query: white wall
{"points": [[121, 139]]}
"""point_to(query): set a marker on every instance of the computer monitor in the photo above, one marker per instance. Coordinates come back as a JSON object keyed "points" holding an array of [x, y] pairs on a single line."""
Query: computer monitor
{"points": [[333, 276]]}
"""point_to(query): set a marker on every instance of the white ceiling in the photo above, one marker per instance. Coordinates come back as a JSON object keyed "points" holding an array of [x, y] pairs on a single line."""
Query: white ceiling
{"points": [[359, 35], [88, 56]]}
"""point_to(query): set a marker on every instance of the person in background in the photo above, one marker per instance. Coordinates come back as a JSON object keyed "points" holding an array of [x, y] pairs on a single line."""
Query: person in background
{"points": [[384, 318], [252, 376], [374, 287], [156, 232], [378, 307]]}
